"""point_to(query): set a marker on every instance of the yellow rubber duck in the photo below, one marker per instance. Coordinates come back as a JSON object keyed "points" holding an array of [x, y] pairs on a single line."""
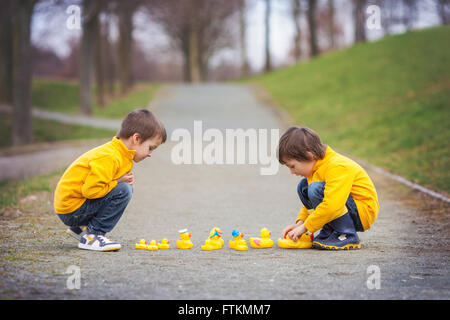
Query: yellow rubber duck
{"points": [[238, 242], [152, 246], [264, 241], [214, 240], [214, 230], [142, 244], [304, 242], [185, 242], [164, 244]]}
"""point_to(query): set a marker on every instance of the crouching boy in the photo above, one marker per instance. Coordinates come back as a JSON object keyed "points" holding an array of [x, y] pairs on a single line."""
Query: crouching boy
{"points": [[94, 191], [338, 196]]}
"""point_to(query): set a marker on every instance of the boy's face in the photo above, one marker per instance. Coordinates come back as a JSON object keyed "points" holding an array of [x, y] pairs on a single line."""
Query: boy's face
{"points": [[300, 168], [144, 149]]}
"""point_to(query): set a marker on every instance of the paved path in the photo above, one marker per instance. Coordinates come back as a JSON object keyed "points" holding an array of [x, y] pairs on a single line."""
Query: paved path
{"points": [[407, 246]]}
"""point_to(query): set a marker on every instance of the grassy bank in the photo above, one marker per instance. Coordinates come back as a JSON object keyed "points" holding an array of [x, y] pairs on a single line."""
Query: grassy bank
{"points": [[386, 102], [63, 96], [11, 191], [49, 130]]}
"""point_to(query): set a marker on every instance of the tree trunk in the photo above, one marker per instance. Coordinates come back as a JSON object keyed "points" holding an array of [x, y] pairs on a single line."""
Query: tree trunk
{"points": [[185, 50], [22, 126], [99, 65], [6, 46], [297, 40], [387, 13], [126, 11], [242, 35], [331, 13], [87, 52], [312, 27], [268, 66], [110, 63], [194, 54], [359, 20], [444, 11]]}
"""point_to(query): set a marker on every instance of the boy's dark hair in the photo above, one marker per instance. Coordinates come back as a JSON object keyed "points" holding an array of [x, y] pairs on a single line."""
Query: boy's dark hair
{"points": [[145, 123], [297, 141]]}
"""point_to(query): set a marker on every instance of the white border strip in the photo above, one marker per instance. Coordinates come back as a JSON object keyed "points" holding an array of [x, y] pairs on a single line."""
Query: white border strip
{"points": [[408, 183]]}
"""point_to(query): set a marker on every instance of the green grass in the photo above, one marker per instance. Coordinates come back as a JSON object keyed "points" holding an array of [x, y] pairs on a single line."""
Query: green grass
{"points": [[118, 108], [49, 130], [63, 96], [387, 102], [11, 191]]}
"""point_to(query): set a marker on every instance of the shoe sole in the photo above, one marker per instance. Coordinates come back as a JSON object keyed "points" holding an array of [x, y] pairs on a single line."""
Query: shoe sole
{"points": [[318, 245], [73, 234], [88, 247]]}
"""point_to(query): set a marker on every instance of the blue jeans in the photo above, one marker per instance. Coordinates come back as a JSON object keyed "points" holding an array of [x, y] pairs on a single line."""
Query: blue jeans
{"points": [[100, 215], [312, 195]]}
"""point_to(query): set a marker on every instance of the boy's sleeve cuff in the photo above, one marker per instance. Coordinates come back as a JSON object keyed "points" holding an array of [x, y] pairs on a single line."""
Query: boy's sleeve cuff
{"points": [[309, 227], [303, 214]]}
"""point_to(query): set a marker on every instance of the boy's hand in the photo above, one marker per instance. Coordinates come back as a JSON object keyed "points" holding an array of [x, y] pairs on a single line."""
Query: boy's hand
{"points": [[291, 227], [295, 233], [127, 177]]}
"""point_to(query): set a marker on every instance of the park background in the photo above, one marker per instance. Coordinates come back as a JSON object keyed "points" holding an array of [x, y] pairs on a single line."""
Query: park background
{"points": [[378, 93]]}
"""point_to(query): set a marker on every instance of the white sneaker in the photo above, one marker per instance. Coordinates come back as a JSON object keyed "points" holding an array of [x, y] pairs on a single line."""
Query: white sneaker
{"points": [[97, 243], [76, 232]]}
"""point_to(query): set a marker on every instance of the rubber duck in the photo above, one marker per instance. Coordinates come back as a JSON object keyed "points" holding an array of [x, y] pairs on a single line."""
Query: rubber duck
{"points": [[185, 242], [164, 244], [152, 246], [304, 242], [238, 242], [214, 240], [264, 241], [142, 244], [213, 231]]}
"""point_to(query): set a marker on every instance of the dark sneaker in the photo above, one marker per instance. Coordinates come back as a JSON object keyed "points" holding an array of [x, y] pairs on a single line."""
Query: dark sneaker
{"points": [[324, 233], [97, 243], [76, 232], [338, 241]]}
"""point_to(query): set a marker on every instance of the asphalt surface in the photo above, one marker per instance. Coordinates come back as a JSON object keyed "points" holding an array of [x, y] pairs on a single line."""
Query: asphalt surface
{"points": [[407, 248]]}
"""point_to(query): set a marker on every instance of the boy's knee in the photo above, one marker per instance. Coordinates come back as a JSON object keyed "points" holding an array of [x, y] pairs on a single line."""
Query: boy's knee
{"points": [[124, 190], [302, 188], [315, 191]]}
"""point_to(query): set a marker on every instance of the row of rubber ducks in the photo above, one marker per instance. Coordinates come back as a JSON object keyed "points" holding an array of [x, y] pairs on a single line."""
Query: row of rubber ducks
{"points": [[215, 241]]}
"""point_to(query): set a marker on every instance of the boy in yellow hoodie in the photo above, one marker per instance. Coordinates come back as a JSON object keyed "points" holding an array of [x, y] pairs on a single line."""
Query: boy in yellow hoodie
{"points": [[337, 194], [94, 191]]}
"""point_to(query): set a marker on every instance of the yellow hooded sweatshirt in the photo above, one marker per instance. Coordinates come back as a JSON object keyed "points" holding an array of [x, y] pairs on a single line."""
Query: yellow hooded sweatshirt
{"points": [[342, 176], [93, 175]]}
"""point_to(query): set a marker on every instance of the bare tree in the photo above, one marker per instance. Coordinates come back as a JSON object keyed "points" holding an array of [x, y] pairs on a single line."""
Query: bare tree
{"points": [[6, 58], [194, 49], [409, 13], [268, 65], [109, 55], [444, 11], [359, 7], [125, 12], [242, 36], [331, 28], [197, 29], [22, 127], [100, 63], [91, 9], [296, 11], [314, 48]]}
